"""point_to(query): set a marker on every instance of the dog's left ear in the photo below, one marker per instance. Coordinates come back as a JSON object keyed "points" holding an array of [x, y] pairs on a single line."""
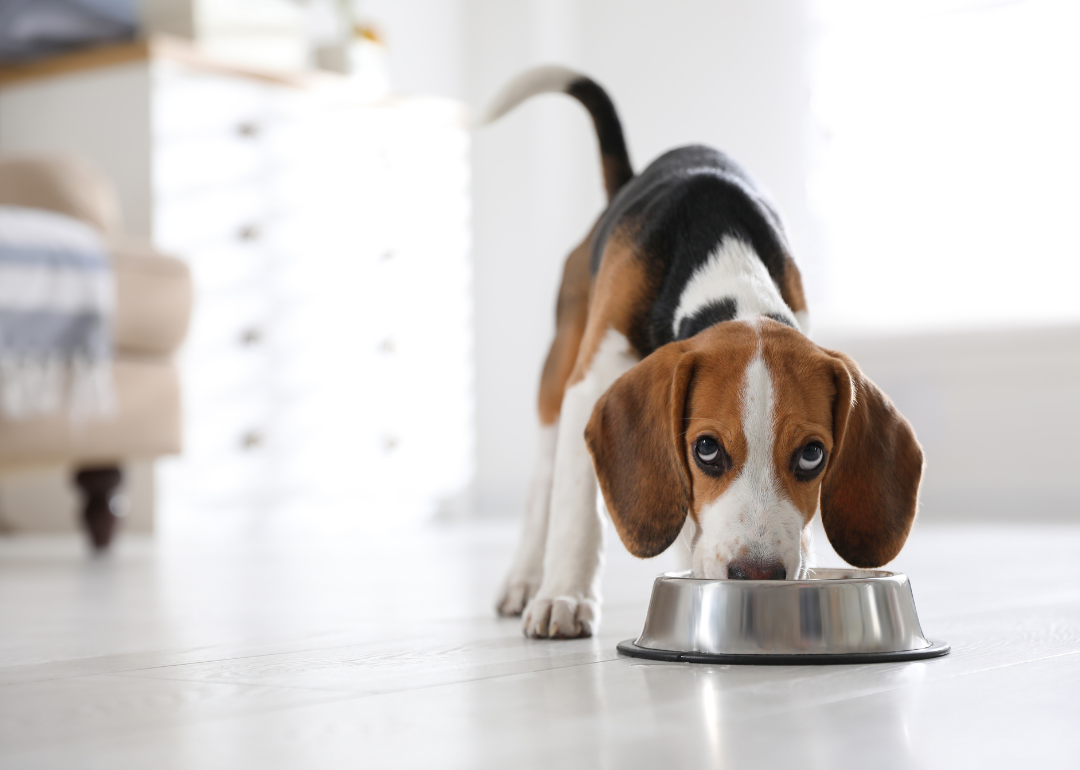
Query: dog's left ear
{"points": [[635, 437], [871, 485]]}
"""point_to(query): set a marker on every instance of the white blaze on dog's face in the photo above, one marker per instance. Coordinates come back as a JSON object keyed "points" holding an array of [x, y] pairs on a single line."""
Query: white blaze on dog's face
{"points": [[756, 453], [748, 428]]}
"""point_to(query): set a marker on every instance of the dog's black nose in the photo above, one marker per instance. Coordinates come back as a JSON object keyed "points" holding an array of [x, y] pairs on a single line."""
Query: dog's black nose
{"points": [[752, 569]]}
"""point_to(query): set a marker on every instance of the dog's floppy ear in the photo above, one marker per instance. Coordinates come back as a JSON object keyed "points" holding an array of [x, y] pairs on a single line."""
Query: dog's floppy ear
{"points": [[635, 438], [871, 485]]}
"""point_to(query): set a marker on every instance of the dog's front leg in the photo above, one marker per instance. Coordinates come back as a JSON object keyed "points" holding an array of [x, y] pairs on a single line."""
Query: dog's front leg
{"points": [[527, 569], [568, 602]]}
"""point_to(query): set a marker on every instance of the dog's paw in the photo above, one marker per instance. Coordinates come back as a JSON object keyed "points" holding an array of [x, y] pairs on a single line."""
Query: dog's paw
{"points": [[561, 617], [514, 596]]}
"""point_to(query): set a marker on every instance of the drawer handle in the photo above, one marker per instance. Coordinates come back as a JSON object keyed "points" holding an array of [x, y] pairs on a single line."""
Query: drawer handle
{"points": [[251, 440], [388, 255], [249, 233], [249, 129], [251, 336], [389, 444], [387, 347]]}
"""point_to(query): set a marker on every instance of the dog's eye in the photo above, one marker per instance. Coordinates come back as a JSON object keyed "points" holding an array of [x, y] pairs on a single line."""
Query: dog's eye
{"points": [[707, 449], [811, 456], [809, 460], [710, 456]]}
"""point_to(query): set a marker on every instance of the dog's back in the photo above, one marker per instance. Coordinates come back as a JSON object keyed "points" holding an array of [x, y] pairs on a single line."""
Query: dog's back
{"points": [[689, 206]]}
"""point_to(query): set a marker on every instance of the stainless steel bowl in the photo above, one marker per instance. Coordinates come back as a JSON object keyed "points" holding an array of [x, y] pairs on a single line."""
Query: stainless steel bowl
{"points": [[832, 616]]}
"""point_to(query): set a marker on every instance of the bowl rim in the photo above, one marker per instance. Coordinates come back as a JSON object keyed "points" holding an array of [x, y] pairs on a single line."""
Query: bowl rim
{"points": [[863, 576], [681, 587]]}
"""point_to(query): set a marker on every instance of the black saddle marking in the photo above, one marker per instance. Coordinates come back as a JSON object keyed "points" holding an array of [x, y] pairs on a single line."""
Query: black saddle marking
{"points": [[711, 314]]}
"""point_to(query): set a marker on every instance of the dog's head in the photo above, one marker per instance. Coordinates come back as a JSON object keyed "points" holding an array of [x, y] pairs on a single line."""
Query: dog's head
{"points": [[749, 428]]}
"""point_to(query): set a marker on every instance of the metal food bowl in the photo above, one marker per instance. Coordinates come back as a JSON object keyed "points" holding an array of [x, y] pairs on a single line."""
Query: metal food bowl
{"points": [[831, 616]]}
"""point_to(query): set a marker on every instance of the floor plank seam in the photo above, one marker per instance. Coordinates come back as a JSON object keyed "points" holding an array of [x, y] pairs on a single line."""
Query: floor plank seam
{"points": [[357, 695], [403, 640]]}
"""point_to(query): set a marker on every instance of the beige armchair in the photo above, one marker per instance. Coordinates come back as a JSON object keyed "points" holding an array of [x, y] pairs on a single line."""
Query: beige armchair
{"points": [[154, 295]]}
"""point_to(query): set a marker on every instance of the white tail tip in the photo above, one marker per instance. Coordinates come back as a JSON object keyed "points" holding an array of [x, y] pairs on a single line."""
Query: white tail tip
{"points": [[548, 79]]}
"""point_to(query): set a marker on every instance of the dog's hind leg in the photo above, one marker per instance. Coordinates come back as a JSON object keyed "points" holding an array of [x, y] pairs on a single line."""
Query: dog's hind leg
{"points": [[526, 571]]}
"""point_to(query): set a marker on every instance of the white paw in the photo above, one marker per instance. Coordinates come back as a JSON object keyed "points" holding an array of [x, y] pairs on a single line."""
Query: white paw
{"points": [[515, 595], [561, 617]]}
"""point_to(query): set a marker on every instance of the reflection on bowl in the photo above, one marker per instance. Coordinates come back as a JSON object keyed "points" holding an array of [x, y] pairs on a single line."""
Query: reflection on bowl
{"points": [[832, 616]]}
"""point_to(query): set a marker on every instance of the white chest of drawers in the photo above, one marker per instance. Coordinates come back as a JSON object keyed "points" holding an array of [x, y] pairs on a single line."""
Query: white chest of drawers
{"points": [[327, 375]]}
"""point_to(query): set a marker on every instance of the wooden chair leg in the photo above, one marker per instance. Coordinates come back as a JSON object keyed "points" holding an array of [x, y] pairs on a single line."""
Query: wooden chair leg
{"points": [[98, 486]]}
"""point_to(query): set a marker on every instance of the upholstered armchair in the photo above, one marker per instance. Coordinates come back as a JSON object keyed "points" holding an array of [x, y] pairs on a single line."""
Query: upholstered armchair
{"points": [[153, 305]]}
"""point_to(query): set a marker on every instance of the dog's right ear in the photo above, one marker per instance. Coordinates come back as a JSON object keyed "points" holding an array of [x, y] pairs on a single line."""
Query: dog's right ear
{"points": [[870, 490], [635, 438]]}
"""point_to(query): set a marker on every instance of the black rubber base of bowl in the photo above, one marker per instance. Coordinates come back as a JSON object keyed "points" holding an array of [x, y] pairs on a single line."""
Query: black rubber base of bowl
{"points": [[935, 650]]}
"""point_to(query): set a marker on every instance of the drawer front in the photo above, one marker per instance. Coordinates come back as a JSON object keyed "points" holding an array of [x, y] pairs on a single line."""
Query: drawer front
{"points": [[222, 324], [210, 217], [194, 103], [227, 427], [202, 164]]}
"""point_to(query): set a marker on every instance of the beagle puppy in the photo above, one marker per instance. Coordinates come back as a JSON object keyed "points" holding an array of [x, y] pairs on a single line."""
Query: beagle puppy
{"points": [[681, 382]]}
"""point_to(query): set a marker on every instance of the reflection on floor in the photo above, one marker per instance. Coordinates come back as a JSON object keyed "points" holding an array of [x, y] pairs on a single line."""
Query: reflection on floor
{"points": [[382, 651]]}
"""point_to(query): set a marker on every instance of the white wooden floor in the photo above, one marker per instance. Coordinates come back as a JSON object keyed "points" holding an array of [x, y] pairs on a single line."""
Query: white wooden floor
{"points": [[381, 651]]}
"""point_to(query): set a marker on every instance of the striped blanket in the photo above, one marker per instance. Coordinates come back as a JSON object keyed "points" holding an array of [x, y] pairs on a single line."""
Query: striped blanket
{"points": [[57, 297]]}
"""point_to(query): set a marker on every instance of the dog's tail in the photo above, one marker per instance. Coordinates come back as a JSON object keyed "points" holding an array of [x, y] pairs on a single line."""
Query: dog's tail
{"points": [[555, 79]]}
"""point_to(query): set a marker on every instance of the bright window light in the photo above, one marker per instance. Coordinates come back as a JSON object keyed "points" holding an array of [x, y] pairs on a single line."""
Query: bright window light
{"points": [[949, 177]]}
